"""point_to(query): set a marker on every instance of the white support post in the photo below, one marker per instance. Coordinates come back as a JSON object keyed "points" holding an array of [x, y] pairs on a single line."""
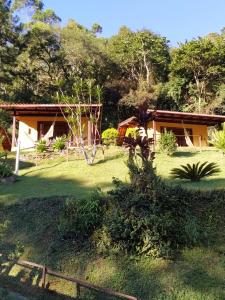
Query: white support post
{"points": [[14, 133], [16, 172]]}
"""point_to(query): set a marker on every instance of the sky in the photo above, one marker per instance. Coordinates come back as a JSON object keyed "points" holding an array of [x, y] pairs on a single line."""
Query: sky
{"points": [[177, 20]]}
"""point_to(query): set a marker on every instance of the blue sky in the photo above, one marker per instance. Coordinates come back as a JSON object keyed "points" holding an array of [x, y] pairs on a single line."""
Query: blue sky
{"points": [[178, 20]]}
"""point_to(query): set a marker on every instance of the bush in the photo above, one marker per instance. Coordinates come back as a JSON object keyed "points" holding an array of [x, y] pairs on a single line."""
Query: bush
{"points": [[195, 172], [167, 143], [149, 217], [41, 146], [109, 136], [218, 139], [59, 143], [132, 132], [80, 217], [5, 170]]}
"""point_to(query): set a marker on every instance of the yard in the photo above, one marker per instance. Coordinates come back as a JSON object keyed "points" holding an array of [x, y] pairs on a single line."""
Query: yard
{"points": [[62, 178], [196, 274]]}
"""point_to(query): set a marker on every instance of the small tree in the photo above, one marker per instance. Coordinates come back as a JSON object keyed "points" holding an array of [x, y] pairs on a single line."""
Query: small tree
{"points": [[167, 143], [84, 92]]}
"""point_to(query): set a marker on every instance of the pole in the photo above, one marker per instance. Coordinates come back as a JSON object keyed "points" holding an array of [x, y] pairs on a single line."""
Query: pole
{"points": [[17, 159], [14, 133]]}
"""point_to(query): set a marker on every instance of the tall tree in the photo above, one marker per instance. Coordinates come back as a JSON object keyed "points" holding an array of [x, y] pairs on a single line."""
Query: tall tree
{"points": [[141, 55], [198, 68]]}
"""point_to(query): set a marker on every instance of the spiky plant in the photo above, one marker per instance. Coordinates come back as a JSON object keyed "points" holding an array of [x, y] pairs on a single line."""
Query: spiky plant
{"points": [[218, 138], [196, 171]]}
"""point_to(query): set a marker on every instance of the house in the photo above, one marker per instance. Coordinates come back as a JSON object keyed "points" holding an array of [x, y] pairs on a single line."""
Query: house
{"points": [[31, 122], [190, 129]]}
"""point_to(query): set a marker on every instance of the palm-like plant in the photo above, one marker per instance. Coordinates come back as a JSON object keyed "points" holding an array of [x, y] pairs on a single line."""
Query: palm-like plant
{"points": [[218, 139], [196, 171]]}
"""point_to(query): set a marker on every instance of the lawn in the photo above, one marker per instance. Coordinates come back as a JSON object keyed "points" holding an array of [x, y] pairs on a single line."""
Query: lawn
{"points": [[197, 274], [62, 178]]}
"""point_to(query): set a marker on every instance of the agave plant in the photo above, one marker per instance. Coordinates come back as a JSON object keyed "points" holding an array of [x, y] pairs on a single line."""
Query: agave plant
{"points": [[196, 171], [218, 139]]}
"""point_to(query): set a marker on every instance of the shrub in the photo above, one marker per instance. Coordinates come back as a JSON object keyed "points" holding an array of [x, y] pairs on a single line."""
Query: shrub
{"points": [[132, 132], [109, 136], [147, 216], [59, 143], [196, 171], [167, 143], [5, 170], [80, 217], [41, 146], [218, 139]]}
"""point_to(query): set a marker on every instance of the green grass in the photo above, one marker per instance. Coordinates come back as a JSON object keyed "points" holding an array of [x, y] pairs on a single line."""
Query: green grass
{"points": [[59, 177], [164, 164], [197, 274]]}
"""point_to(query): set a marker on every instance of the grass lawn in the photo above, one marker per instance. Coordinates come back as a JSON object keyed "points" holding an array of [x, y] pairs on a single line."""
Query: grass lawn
{"points": [[197, 274], [58, 177]]}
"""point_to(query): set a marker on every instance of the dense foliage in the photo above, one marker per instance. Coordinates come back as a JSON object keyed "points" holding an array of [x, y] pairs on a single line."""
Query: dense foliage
{"points": [[196, 171], [40, 59], [59, 143], [218, 139], [167, 143], [144, 217], [41, 146], [109, 136], [80, 217], [5, 170]]}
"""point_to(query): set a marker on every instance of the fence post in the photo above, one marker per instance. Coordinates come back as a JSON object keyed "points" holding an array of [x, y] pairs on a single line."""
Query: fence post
{"points": [[43, 279]]}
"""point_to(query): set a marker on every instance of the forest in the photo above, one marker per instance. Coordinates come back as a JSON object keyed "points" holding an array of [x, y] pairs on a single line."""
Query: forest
{"points": [[40, 58]]}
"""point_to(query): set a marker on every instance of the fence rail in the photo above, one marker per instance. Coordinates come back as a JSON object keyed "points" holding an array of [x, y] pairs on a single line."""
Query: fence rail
{"points": [[79, 283]]}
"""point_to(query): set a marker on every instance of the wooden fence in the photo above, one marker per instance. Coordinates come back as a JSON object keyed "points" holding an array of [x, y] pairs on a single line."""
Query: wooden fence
{"points": [[78, 282]]}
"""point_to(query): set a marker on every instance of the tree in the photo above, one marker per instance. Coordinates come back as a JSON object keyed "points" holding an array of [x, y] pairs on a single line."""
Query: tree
{"points": [[199, 65], [32, 61], [141, 55], [96, 28], [85, 92], [84, 52]]}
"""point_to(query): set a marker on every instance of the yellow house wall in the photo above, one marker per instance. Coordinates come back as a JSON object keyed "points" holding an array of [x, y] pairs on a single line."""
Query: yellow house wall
{"points": [[28, 128], [197, 131]]}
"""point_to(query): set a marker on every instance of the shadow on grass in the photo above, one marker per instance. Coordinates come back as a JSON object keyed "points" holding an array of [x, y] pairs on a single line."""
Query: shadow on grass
{"points": [[109, 158], [22, 286], [41, 169], [40, 186], [184, 154], [23, 164], [209, 184]]}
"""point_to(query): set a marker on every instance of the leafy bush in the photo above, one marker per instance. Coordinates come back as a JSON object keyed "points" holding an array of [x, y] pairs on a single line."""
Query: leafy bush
{"points": [[59, 143], [167, 143], [80, 217], [109, 136], [218, 139], [196, 171], [41, 146], [5, 170], [132, 132], [148, 217]]}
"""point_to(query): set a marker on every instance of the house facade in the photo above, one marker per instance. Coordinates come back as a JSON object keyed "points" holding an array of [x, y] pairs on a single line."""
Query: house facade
{"points": [[190, 129], [31, 122]]}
